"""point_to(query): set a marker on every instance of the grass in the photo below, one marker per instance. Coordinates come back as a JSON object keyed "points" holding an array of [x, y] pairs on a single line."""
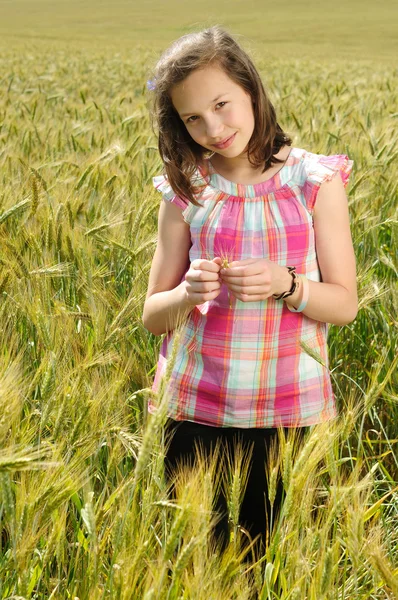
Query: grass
{"points": [[84, 507]]}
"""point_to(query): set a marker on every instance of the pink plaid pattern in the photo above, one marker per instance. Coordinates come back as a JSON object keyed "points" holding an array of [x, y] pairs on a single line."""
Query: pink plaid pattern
{"points": [[248, 365]]}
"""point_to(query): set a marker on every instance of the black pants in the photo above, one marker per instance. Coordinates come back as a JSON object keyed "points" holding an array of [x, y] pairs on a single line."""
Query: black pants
{"points": [[255, 509]]}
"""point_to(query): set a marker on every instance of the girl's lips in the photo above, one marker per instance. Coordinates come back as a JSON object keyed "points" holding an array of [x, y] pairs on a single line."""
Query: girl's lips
{"points": [[227, 142]]}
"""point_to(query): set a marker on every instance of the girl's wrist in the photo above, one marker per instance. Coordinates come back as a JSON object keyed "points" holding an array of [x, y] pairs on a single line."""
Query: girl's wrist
{"points": [[297, 296], [294, 299], [288, 281]]}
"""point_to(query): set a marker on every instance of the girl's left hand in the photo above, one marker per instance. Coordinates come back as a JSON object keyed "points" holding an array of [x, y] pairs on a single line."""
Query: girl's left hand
{"points": [[256, 279]]}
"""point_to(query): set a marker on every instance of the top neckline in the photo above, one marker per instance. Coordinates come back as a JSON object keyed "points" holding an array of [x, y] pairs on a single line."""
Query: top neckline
{"points": [[247, 190]]}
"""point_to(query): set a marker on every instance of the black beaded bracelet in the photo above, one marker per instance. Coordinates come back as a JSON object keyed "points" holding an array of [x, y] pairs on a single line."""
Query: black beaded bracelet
{"points": [[292, 271]]}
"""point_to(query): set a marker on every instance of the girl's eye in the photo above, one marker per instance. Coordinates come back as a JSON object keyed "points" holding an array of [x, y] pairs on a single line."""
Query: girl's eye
{"points": [[189, 120]]}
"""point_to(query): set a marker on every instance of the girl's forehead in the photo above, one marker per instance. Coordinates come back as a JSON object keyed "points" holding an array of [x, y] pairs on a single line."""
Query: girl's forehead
{"points": [[203, 86], [207, 76]]}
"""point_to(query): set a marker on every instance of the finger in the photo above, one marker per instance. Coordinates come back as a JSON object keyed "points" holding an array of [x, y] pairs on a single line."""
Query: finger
{"points": [[245, 280], [246, 261], [254, 268], [247, 298], [200, 297], [251, 290], [201, 275], [205, 265], [203, 287]]}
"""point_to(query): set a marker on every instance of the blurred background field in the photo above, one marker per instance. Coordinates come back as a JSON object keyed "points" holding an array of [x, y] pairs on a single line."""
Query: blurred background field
{"points": [[315, 29], [84, 511]]}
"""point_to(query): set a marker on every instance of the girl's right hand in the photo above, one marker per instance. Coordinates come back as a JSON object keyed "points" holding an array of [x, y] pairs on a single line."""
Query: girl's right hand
{"points": [[202, 281]]}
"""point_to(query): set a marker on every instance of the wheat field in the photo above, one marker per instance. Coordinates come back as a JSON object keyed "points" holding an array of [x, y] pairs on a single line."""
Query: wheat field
{"points": [[84, 508]]}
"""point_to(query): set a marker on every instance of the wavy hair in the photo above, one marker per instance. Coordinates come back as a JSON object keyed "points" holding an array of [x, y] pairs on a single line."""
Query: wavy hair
{"points": [[180, 154]]}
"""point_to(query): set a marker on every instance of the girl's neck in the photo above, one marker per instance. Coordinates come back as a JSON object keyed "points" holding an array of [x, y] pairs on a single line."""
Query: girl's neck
{"points": [[239, 170]]}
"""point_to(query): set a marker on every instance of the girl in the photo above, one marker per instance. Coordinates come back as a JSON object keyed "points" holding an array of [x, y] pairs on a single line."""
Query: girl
{"points": [[254, 257]]}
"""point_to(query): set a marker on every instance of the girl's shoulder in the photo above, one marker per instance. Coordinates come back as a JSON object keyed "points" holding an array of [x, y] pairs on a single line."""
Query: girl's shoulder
{"points": [[317, 168], [162, 185]]}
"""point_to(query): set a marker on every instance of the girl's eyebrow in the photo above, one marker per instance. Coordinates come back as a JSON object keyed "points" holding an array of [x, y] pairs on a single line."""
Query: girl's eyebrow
{"points": [[192, 112]]}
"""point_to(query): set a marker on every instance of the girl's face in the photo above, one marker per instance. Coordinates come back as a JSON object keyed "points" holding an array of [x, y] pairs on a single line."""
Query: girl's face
{"points": [[215, 109]]}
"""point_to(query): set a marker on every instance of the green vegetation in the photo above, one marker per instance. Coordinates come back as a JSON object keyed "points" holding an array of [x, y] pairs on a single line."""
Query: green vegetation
{"points": [[84, 509], [315, 29]]}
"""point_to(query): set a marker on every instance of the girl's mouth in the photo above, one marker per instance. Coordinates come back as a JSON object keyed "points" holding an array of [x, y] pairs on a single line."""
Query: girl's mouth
{"points": [[226, 143]]}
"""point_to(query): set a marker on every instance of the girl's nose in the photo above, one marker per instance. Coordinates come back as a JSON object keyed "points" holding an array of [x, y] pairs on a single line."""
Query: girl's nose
{"points": [[214, 127]]}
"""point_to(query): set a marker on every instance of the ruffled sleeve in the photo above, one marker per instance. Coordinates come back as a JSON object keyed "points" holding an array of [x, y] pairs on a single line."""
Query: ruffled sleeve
{"points": [[320, 168], [163, 186]]}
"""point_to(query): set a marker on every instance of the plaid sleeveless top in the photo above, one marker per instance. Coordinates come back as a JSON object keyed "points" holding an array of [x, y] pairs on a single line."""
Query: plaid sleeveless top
{"points": [[253, 364]]}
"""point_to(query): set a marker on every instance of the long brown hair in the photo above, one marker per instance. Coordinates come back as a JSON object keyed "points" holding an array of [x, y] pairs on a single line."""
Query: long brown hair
{"points": [[181, 155]]}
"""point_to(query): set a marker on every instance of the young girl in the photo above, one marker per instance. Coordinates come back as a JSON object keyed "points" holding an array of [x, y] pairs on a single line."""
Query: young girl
{"points": [[255, 256]]}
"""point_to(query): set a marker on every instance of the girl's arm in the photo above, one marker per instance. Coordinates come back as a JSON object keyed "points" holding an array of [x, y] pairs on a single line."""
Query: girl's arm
{"points": [[335, 299], [166, 300]]}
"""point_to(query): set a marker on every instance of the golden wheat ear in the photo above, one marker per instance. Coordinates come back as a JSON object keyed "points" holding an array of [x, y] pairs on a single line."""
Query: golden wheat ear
{"points": [[225, 265]]}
